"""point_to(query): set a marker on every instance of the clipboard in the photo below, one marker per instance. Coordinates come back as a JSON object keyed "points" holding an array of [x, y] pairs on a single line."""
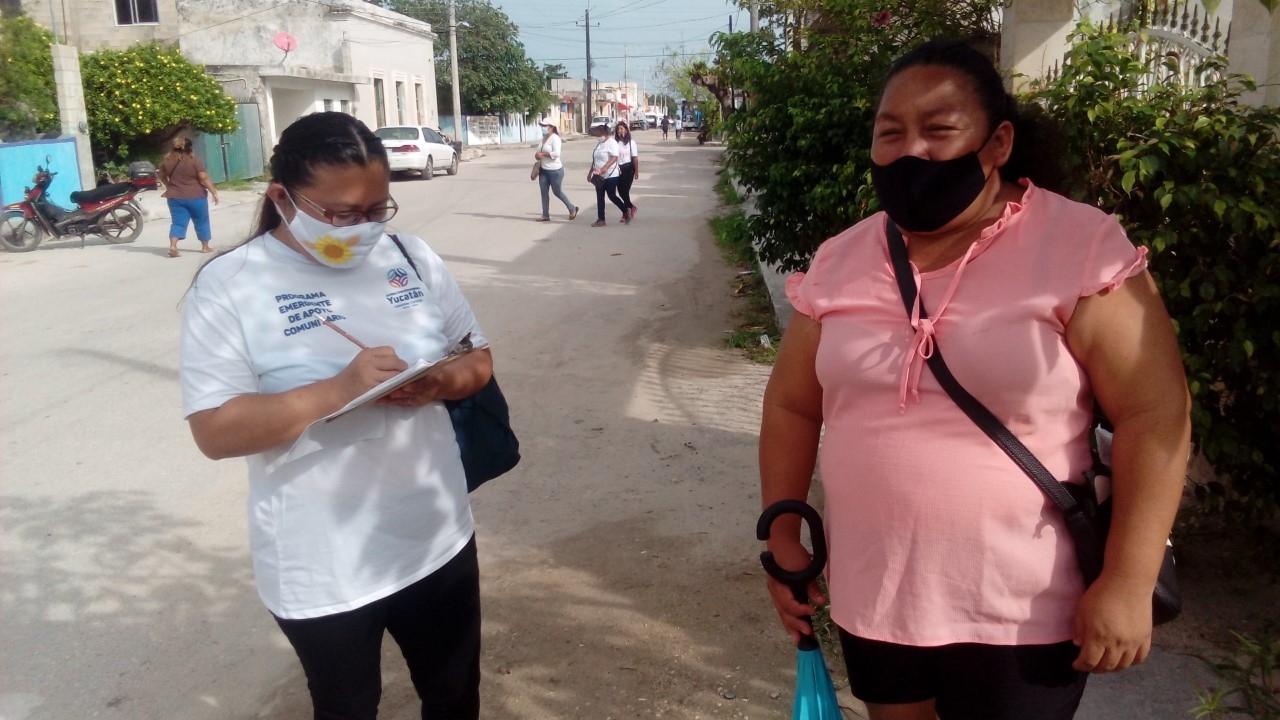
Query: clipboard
{"points": [[419, 369]]}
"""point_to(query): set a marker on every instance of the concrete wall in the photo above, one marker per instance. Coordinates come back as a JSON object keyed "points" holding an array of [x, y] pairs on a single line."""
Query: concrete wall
{"points": [[92, 24], [394, 55], [73, 117], [1034, 36], [1255, 50]]}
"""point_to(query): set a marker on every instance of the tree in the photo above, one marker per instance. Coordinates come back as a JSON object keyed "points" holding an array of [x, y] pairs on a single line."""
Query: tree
{"points": [[554, 72], [495, 74], [27, 94], [147, 94]]}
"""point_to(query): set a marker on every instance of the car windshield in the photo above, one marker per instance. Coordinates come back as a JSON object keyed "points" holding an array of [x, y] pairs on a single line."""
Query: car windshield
{"points": [[397, 133]]}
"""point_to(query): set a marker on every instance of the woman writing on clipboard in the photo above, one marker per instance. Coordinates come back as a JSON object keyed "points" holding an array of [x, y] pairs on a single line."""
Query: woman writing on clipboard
{"points": [[370, 529]]}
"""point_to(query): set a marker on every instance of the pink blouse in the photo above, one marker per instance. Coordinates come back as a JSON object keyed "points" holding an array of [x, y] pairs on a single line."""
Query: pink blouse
{"points": [[936, 536]]}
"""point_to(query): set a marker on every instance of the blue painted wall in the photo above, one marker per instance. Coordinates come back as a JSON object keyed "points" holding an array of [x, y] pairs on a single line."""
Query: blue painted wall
{"points": [[18, 163]]}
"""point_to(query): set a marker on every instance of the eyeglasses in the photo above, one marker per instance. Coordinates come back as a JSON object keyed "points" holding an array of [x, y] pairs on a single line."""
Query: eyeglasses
{"points": [[347, 218]]}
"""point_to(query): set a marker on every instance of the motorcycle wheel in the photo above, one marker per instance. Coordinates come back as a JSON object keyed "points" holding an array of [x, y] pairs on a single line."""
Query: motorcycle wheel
{"points": [[19, 233], [121, 225]]}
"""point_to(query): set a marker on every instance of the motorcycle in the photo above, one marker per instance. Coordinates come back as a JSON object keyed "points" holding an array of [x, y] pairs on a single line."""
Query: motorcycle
{"points": [[704, 133], [107, 210]]}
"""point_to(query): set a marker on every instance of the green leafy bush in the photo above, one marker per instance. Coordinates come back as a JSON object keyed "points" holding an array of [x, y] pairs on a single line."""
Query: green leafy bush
{"points": [[146, 94], [28, 104], [1194, 175], [802, 146]]}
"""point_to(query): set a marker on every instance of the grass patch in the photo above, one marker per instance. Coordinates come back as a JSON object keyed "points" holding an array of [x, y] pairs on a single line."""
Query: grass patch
{"points": [[755, 327], [246, 184]]}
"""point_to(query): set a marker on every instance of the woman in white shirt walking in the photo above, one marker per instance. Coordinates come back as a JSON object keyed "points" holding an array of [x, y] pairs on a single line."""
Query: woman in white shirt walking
{"points": [[551, 172], [628, 167], [604, 174]]}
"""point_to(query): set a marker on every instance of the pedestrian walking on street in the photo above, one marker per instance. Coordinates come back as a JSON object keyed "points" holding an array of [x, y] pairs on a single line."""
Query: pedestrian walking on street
{"points": [[604, 174], [954, 584], [666, 123], [365, 526], [679, 126], [187, 187], [551, 172], [628, 167]]}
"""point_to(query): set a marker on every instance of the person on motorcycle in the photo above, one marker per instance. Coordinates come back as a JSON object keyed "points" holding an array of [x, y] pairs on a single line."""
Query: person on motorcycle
{"points": [[186, 186]]}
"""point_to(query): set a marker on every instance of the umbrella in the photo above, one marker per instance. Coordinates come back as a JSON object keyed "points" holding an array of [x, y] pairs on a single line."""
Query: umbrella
{"points": [[815, 694]]}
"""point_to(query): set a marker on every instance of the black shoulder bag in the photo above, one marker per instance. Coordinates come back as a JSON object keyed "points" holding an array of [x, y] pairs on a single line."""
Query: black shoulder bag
{"points": [[1088, 521], [481, 423]]}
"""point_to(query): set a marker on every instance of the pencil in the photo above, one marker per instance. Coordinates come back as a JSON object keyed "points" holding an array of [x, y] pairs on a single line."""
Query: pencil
{"points": [[342, 332]]}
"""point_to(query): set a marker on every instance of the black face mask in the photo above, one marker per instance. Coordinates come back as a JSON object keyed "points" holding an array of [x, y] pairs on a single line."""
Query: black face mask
{"points": [[923, 195]]}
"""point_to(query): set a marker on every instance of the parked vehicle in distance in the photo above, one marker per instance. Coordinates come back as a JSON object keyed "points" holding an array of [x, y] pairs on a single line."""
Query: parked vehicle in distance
{"points": [[653, 120], [108, 211], [417, 149], [603, 120]]}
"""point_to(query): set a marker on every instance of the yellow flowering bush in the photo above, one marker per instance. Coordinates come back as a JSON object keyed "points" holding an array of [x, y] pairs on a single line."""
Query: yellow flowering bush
{"points": [[145, 94]]}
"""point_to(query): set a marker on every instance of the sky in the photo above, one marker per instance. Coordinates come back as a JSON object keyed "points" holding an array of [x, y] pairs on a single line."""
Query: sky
{"points": [[552, 32]]}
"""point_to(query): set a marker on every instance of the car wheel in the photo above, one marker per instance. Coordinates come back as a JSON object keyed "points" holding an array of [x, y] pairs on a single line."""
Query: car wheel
{"points": [[428, 170], [453, 166]]}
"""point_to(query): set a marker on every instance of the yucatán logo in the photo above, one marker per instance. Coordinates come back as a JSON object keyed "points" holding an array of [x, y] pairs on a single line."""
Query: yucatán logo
{"points": [[397, 277], [401, 295]]}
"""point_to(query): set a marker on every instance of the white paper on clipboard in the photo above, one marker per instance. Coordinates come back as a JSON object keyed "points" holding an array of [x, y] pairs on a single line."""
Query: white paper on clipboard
{"points": [[417, 370], [358, 426]]}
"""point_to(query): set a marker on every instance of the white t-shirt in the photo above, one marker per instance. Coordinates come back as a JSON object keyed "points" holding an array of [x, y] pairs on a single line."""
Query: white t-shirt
{"points": [[679, 124], [627, 150], [382, 503], [604, 150], [551, 145]]}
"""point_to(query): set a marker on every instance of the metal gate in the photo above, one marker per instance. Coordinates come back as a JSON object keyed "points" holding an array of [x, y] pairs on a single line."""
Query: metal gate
{"points": [[237, 156]]}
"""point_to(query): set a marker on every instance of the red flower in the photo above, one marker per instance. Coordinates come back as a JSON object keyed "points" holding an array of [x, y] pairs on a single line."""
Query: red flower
{"points": [[881, 19]]}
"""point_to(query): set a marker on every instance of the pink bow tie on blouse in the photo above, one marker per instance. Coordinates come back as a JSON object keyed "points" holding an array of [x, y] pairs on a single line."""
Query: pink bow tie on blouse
{"points": [[923, 345]]}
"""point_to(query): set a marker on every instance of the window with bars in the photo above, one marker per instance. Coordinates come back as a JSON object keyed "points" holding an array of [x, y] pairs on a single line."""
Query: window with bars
{"points": [[137, 12], [421, 100], [400, 108]]}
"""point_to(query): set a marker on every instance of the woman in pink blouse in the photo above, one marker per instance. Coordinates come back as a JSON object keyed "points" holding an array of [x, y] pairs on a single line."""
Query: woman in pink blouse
{"points": [[951, 576]]}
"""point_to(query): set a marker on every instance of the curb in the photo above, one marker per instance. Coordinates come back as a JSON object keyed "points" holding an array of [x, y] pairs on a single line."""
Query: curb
{"points": [[775, 281]]}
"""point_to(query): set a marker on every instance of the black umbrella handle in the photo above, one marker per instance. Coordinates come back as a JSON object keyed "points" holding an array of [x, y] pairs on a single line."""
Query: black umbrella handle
{"points": [[797, 580]]}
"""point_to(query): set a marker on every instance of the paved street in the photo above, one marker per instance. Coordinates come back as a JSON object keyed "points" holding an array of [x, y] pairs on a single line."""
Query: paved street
{"points": [[619, 566]]}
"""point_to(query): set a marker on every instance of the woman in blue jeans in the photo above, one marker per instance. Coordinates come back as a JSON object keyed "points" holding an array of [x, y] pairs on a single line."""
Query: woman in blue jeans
{"points": [[551, 172], [186, 183]]}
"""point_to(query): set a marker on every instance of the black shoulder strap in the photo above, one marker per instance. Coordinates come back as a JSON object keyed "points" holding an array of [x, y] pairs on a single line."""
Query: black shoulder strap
{"points": [[406, 255], [977, 412]]}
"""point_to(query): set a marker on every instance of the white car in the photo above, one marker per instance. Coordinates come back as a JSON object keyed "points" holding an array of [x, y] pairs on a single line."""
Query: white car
{"points": [[603, 120], [418, 149]]}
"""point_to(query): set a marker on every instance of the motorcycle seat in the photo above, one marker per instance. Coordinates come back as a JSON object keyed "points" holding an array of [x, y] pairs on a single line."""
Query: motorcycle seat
{"points": [[100, 193]]}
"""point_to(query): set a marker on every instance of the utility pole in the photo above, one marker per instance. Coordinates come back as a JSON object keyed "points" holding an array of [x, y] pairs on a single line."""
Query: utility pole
{"points": [[588, 86], [453, 71], [630, 100]]}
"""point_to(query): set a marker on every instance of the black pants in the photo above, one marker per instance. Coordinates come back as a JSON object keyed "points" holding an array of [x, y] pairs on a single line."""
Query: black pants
{"points": [[436, 623], [609, 186], [626, 176], [968, 681]]}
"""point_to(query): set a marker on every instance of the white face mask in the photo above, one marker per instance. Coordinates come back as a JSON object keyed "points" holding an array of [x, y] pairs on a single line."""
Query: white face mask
{"points": [[336, 247]]}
